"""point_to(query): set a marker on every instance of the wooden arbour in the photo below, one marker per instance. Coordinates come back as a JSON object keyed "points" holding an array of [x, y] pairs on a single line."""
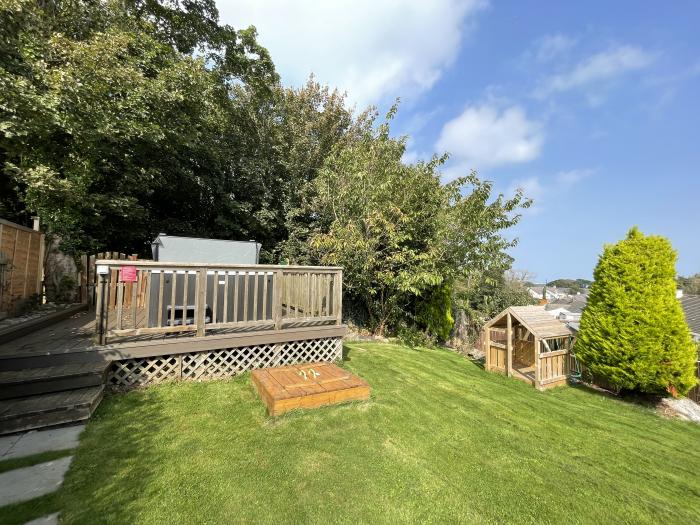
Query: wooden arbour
{"points": [[527, 343]]}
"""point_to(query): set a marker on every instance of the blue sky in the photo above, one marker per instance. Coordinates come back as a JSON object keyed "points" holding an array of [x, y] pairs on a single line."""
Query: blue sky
{"points": [[591, 107]]}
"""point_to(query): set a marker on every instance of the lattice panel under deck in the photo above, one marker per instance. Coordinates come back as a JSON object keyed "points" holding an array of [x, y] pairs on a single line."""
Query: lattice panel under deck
{"points": [[227, 362]]}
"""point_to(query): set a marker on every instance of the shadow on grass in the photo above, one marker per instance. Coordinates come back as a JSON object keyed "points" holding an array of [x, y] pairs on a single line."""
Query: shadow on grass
{"points": [[121, 452]]}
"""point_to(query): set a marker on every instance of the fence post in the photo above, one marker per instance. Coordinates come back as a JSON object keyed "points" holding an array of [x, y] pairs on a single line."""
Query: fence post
{"points": [[201, 301], [100, 332], [509, 345], [538, 364], [338, 297], [277, 299]]}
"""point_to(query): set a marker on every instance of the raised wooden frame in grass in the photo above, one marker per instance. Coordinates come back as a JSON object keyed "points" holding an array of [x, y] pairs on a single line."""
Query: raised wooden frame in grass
{"points": [[307, 386]]}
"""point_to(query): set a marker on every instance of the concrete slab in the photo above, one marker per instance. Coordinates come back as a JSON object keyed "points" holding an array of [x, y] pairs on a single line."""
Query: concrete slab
{"points": [[31, 482], [49, 519], [7, 442], [37, 441]]}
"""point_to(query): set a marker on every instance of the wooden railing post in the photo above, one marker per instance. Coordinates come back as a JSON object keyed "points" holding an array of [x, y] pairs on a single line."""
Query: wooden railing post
{"points": [[509, 345], [338, 297], [487, 346], [277, 299], [201, 301], [100, 311], [538, 364]]}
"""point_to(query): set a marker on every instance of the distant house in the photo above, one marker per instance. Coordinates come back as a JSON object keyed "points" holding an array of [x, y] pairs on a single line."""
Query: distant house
{"points": [[568, 309], [691, 309], [549, 293]]}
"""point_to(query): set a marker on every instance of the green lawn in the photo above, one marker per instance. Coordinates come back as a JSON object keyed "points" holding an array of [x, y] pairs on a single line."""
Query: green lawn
{"points": [[440, 441]]}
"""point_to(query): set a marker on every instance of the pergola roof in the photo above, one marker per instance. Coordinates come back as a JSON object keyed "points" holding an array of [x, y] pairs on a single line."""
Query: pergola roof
{"points": [[535, 319]]}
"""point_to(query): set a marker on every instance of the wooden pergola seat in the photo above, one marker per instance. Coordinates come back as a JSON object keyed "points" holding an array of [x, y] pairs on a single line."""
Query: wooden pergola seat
{"points": [[527, 343]]}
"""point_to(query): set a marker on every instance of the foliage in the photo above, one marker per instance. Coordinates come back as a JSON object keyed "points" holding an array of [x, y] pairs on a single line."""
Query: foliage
{"points": [[434, 312], [123, 119], [435, 424], [633, 332], [396, 230], [281, 146], [574, 285], [413, 337], [690, 285], [483, 294], [112, 129]]}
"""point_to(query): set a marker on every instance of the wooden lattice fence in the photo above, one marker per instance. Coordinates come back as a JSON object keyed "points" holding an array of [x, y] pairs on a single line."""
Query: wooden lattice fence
{"points": [[21, 265], [217, 364]]}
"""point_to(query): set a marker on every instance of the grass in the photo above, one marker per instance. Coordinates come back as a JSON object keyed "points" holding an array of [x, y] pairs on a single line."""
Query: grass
{"points": [[441, 441]]}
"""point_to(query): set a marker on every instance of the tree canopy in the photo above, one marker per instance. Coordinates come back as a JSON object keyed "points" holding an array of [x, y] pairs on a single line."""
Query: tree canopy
{"points": [[633, 332], [122, 119]]}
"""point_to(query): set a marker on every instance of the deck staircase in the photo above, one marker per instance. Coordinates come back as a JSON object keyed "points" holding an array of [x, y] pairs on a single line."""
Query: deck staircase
{"points": [[48, 390]]}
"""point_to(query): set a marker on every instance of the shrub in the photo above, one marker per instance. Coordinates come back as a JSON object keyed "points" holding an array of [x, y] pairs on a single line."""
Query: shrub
{"points": [[413, 337], [633, 332], [434, 313]]}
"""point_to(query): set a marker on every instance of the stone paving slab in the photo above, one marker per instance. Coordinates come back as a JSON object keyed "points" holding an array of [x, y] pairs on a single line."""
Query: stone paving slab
{"points": [[37, 441], [50, 519], [6, 444], [31, 482]]}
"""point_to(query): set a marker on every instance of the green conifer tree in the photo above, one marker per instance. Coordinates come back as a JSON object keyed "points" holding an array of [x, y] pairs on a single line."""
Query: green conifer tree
{"points": [[633, 332]]}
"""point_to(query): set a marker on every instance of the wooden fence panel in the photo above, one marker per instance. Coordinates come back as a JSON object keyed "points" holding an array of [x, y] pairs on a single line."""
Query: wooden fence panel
{"points": [[21, 265]]}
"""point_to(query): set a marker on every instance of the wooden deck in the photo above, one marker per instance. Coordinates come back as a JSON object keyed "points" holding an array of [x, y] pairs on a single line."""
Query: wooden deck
{"points": [[69, 335], [72, 341], [307, 386]]}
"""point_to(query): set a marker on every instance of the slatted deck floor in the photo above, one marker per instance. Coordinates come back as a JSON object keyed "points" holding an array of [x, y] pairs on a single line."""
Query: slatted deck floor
{"points": [[307, 386], [525, 373], [75, 334]]}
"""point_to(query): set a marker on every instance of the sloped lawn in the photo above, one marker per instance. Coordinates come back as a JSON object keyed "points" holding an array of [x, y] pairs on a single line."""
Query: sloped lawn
{"points": [[440, 441]]}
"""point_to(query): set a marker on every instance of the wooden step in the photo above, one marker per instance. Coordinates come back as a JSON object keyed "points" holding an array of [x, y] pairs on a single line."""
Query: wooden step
{"points": [[45, 360], [58, 408], [34, 381]]}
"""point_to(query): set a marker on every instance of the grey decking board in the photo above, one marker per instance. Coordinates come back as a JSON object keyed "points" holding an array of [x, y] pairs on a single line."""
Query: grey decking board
{"points": [[48, 402], [52, 372]]}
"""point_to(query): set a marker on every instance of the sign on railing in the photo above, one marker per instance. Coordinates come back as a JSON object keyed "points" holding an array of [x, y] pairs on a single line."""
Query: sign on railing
{"points": [[147, 298]]}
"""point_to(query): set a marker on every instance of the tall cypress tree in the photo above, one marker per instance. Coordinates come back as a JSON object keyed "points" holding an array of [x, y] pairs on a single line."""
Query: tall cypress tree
{"points": [[633, 332]]}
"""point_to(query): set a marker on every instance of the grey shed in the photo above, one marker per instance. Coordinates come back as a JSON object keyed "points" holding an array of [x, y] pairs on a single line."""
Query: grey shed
{"points": [[171, 248]]}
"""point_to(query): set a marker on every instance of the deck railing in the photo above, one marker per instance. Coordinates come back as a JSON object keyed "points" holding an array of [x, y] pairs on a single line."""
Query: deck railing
{"points": [[149, 299]]}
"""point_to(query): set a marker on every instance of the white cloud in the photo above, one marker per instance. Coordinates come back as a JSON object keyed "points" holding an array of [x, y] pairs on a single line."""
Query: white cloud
{"points": [[597, 68], [485, 136], [566, 179], [552, 46], [541, 192], [373, 50]]}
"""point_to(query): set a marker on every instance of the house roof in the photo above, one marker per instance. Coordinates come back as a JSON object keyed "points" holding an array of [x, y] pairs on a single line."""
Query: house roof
{"points": [[691, 308], [575, 305], [536, 320]]}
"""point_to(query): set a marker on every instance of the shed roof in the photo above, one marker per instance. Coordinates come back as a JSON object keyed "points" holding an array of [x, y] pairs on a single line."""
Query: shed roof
{"points": [[536, 320], [174, 248]]}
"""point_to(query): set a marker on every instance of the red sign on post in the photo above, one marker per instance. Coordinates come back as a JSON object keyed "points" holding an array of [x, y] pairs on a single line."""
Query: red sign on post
{"points": [[128, 274]]}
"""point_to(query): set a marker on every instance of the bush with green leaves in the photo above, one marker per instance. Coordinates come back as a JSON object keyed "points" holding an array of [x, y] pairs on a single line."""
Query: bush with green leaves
{"points": [[397, 230], [633, 332], [434, 312]]}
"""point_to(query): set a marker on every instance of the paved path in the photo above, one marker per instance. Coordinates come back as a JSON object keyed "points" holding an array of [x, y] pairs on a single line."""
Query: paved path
{"points": [[27, 483], [37, 441]]}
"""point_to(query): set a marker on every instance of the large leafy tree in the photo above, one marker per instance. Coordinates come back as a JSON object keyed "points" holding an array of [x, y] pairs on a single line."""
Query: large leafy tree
{"points": [[397, 230], [112, 129], [633, 332]]}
